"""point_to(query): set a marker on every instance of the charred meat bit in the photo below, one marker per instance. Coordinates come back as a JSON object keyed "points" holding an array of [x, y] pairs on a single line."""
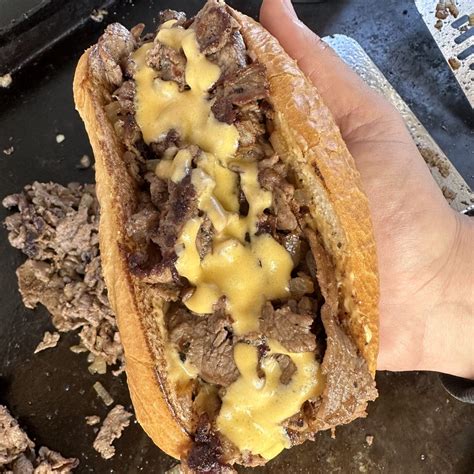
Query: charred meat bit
{"points": [[291, 329], [169, 63]]}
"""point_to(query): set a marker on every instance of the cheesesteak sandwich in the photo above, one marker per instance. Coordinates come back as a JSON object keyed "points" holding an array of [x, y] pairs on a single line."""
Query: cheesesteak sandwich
{"points": [[235, 238]]}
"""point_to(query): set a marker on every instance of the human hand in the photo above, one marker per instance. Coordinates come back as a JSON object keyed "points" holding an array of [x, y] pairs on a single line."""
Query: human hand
{"points": [[425, 249]]}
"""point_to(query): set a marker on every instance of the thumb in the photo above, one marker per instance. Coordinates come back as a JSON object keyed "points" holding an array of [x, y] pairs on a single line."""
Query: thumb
{"points": [[341, 88]]}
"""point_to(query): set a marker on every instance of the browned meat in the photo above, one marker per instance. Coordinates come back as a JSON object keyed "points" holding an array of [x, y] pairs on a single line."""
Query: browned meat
{"points": [[171, 139], [349, 385], [115, 422], [246, 86], [286, 219], [108, 56], [205, 455], [289, 328], [143, 224], [158, 189], [206, 341], [125, 96], [287, 366], [168, 14], [204, 238], [57, 228], [168, 62], [214, 27], [180, 207], [232, 56], [301, 285], [17, 453]]}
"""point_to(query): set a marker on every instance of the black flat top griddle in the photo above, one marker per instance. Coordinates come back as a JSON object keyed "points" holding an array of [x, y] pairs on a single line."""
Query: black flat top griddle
{"points": [[417, 426]]}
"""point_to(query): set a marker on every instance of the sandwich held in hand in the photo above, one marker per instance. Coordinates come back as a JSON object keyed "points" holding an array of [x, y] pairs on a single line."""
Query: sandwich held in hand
{"points": [[235, 238]]}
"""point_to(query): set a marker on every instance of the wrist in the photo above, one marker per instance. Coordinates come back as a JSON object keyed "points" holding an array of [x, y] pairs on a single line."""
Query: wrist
{"points": [[448, 343]]}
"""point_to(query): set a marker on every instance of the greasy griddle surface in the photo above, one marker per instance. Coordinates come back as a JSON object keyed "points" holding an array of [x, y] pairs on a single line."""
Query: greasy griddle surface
{"points": [[415, 424]]}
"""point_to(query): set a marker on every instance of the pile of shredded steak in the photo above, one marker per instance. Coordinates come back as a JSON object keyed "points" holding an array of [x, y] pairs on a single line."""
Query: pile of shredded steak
{"points": [[17, 453], [57, 228], [240, 97]]}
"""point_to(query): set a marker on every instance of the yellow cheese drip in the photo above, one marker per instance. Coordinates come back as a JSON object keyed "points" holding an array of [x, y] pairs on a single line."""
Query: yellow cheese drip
{"points": [[246, 268], [160, 106], [247, 275], [254, 408]]}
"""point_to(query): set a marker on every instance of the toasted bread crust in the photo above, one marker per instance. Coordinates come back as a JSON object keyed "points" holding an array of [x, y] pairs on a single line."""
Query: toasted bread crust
{"points": [[116, 193], [307, 138]]}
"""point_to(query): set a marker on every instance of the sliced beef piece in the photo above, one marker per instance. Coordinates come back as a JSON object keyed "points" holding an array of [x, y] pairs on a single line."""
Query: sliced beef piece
{"points": [[349, 385], [180, 207], [143, 224], [168, 14], [158, 189], [206, 452], [110, 53], [169, 63], [294, 246], [287, 366], [206, 341], [301, 285], [250, 125], [232, 56], [246, 86], [172, 139], [214, 27], [204, 238], [289, 328], [125, 96], [286, 219]]}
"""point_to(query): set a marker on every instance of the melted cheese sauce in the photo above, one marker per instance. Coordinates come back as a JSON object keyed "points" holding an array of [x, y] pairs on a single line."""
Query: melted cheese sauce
{"points": [[254, 408], [246, 268]]}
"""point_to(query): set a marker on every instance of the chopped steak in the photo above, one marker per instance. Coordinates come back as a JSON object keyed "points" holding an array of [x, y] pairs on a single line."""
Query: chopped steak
{"points": [[204, 238], [246, 86], [57, 228], [180, 207], [206, 452], [168, 14], [116, 420], [349, 385], [125, 96], [232, 56], [287, 367], [17, 453], [291, 329], [49, 340], [206, 341], [108, 56], [214, 27], [168, 62], [13, 440]]}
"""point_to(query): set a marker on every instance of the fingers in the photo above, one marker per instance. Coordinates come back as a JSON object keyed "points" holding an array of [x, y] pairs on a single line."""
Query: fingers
{"points": [[341, 88]]}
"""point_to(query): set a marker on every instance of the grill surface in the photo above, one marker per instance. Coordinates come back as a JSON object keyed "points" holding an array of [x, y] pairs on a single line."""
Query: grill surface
{"points": [[416, 426]]}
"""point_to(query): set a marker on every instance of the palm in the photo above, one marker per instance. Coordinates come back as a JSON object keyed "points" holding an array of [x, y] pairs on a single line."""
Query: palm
{"points": [[408, 210]]}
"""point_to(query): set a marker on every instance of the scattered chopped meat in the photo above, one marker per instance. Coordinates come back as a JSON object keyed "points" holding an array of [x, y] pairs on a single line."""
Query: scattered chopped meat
{"points": [[49, 340], [17, 453], [206, 341], [291, 329], [125, 96], [117, 419], [107, 57], [57, 228], [301, 285], [349, 385], [206, 451], [158, 189], [246, 86], [167, 15], [204, 238], [143, 224], [214, 27], [445, 8], [49, 462], [13, 440], [180, 207], [171, 140], [232, 56], [168, 62], [92, 420], [287, 366]]}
